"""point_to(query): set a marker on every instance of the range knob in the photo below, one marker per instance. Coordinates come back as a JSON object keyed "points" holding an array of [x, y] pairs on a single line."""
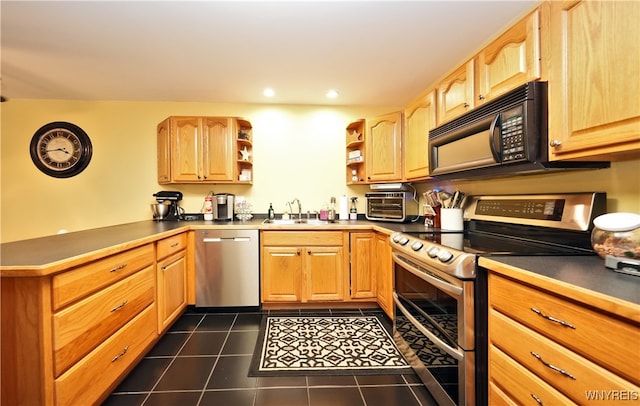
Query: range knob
{"points": [[416, 245], [433, 251], [395, 237], [403, 240], [445, 256]]}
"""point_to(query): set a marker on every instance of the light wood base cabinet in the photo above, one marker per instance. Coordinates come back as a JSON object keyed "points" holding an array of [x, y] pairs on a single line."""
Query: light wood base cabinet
{"points": [[383, 266], [304, 267], [363, 275], [545, 345], [69, 337], [172, 279]]}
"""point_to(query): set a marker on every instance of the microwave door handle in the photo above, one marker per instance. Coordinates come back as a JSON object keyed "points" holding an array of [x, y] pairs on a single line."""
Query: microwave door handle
{"points": [[493, 138]]}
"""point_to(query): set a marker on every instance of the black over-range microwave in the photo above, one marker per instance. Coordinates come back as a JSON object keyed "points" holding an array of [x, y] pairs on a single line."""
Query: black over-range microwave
{"points": [[506, 136]]}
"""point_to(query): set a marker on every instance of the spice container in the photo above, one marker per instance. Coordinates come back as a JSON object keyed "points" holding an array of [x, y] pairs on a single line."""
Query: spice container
{"points": [[617, 234]]}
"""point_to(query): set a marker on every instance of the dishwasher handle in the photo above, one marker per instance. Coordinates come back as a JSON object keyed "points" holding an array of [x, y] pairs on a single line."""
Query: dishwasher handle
{"points": [[222, 239]]}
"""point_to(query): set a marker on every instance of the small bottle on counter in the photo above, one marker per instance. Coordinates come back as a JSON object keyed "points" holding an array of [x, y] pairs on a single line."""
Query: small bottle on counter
{"points": [[331, 215], [271, 215], [353, 211], [208, 208]]}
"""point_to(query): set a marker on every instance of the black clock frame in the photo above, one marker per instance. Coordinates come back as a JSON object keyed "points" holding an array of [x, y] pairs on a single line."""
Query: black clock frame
{"points": [[85, 146]]}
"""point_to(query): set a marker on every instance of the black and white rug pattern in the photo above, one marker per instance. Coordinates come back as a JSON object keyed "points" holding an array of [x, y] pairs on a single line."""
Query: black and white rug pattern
{"points": [[326, 346]]}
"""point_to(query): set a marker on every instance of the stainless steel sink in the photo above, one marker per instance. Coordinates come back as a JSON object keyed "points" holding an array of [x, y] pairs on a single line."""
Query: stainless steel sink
{"points": [[296, 221]]}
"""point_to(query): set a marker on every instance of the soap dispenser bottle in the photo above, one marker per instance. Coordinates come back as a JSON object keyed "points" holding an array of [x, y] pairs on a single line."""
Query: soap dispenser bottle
{"points": [[271, 215]]}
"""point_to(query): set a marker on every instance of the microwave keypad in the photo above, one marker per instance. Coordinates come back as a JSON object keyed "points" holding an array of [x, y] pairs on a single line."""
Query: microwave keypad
{"points": [[512, 138]]}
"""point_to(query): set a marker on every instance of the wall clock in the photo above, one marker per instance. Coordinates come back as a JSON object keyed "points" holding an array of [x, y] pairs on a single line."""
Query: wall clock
{"points": [[61, 149]]}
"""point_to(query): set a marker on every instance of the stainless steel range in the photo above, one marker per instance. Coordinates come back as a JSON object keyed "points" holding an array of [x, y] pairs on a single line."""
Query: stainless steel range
{"points": [[440, 295]]}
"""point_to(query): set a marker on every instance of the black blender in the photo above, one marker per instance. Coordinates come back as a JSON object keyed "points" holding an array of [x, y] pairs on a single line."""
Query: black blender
{"points": [[169, 199]]}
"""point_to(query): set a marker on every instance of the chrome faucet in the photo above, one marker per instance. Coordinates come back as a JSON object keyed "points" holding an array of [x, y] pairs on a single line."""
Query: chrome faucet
{"points": [[299, 207]]}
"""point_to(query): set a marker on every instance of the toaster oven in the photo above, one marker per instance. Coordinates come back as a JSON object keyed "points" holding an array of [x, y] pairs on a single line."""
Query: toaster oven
{"points": [[391, 206]]}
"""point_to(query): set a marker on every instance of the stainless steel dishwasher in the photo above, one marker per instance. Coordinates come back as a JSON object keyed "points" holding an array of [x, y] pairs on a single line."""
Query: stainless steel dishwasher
{"points": [[227, 268]]}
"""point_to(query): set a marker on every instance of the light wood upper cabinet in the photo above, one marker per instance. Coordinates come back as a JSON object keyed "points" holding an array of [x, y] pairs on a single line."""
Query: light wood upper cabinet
{"points": [[164, 157], [456, 93], [594, 85], [510, 60], [384, 148], [419, 117], [356, 169], [204, 150]]}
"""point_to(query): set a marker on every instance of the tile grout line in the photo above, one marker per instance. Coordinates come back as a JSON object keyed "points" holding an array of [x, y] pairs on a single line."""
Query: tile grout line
{"points": [[204, 388], [171, 363]]}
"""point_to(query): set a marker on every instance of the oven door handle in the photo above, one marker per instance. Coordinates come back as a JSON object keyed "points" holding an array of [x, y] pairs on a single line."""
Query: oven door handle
{"points": [[447, 287], [456, 353]]}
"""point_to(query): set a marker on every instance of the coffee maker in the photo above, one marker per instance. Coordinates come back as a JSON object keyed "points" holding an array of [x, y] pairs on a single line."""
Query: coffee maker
{"points": [[171, 199], [223, 205]]}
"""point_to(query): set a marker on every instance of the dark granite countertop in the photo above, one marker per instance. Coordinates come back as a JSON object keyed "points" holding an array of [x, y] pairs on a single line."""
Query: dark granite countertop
{"points": [[586, 272]]}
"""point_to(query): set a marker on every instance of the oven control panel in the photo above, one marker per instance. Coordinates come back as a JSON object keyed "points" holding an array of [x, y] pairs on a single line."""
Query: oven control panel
{"points": [[429, 254]]}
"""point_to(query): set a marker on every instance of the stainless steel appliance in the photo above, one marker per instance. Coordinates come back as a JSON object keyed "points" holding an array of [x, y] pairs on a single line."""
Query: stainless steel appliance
{"points": [[505, 136], [440, 294], [391, 206], [223, 204], [171, 198], [227, 268]]}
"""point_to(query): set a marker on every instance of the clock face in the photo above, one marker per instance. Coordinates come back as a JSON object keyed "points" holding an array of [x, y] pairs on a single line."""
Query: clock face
{"points": [[61, 149]]}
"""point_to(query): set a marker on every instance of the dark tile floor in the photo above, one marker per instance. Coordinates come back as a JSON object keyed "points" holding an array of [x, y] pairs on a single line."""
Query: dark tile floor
{"points": [[204, 358]]}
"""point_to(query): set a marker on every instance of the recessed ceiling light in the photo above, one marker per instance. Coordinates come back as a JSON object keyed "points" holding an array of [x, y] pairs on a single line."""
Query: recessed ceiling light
{"points": [[332, 94], [268, 92]]}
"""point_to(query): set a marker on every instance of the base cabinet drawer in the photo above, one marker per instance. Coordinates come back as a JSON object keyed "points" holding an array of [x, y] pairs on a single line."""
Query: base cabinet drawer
{"points": [[88, 380], [83, 280], [80, 328], [512, 384], [604, 339], [568, 372]]}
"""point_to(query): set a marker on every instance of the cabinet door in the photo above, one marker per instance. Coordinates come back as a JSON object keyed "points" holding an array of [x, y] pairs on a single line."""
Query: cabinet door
{"points": [[384, 273], [363, 278], [594, 107], [324, 274], [186, 149], [172, 289], [511, 60], [420, 117], [384, 162], [164, 155], [281, 274], [218, 147], [456, 93]]}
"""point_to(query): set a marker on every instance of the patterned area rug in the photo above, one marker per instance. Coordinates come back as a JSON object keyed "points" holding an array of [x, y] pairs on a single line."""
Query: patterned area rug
{"points": [[325, 346]]}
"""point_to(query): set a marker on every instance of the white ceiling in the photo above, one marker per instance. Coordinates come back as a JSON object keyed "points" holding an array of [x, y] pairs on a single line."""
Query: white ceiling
{"points": [[373, 52]]}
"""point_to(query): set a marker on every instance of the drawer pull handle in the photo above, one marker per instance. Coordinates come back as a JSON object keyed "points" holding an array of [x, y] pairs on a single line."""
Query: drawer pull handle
{"points": [[124, 351], [537, 399], [118, 268], [175, 245], [555, 368], [120, 306], [553, 319]]}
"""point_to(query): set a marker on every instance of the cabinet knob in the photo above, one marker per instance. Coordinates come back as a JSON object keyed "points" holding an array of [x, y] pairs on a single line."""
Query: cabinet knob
{"points": [[555, 143], [466, 105], [481, 97]]}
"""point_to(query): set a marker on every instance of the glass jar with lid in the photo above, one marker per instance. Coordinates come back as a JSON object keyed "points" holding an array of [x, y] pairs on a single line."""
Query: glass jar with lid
{"points": [[617, 234]]}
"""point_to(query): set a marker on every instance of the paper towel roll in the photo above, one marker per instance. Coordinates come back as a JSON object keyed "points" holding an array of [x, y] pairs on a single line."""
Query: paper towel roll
{"points": [[344, 208]]}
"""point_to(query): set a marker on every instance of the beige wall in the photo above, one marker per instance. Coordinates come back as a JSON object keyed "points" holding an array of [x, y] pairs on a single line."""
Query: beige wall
{"points": [[298, 152]]}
